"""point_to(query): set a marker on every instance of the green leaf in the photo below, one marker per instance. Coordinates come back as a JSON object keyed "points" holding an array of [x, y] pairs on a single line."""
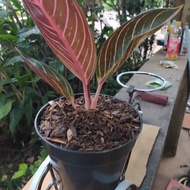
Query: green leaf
{"points": [[43, 154], [28, 113], [49, 95], [126, 38], [8, 36], [56, 65], [11, 26], [2, 99], [23, 80], [5, 109], [7, 81], [37, 163], [15, 116], [17, 4], [31, 31], [23, 166], [32, 169], [9, 184], [13, 60], [21, 172], [28, 106]]}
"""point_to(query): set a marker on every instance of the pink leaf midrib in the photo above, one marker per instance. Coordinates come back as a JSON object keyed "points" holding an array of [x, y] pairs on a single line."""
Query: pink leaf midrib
{"points": [[68, 48]]}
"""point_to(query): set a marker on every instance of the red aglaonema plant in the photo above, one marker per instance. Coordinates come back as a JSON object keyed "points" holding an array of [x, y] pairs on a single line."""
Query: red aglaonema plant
{"points": [[64, 27]]}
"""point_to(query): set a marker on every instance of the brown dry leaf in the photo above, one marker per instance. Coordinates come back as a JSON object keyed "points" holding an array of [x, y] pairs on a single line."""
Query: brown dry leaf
{"points": [[101, 133], [102, 140], [51, 102], [115, 112], [69, 135]]}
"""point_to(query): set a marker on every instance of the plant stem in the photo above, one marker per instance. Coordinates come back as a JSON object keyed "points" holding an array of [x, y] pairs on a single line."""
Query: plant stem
{"points": [[73, 104], [87, 96], [95, 99]]}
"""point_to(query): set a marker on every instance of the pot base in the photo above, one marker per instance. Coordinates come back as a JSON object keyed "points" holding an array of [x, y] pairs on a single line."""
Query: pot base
{"points": [[49, 177]]}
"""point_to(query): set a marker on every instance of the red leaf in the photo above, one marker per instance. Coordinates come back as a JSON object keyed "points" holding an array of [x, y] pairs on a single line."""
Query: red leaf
{"points": [[64, 27], [123, 41], [51, 77]]}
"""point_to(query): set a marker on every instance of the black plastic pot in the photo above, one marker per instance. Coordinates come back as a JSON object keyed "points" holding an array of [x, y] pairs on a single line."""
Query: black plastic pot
{"points": [[88, 170]]}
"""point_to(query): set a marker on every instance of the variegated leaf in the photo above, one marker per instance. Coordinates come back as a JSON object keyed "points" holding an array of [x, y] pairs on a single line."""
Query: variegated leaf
{"points": [[51, 77], [123, 41], [64, 27]]}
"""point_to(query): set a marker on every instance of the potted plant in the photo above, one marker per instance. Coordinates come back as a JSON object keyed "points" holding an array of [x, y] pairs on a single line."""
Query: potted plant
{"points": [[89, 137]]}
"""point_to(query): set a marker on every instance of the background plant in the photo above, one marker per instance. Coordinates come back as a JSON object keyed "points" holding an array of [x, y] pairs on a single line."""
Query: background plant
{"points": [[14, 178], [19, 88], [21, 92]]}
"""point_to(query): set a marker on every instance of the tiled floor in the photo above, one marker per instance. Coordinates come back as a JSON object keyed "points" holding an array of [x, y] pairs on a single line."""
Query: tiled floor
{"points": [[175, 167]]}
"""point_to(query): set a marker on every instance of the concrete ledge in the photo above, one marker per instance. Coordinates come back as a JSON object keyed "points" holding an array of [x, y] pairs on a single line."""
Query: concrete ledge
{"points": [[170, 117]]}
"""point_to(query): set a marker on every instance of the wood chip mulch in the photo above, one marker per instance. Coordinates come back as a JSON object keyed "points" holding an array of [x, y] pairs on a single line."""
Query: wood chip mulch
{"points": [[112, 124]]}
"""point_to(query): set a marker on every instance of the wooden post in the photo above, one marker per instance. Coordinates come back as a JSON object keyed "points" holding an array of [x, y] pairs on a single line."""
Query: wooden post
{"points": [[186, 13], [184, 17]]}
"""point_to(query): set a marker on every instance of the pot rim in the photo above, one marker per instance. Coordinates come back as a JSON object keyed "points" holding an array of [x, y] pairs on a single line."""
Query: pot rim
{"points": [[37, 119]]}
